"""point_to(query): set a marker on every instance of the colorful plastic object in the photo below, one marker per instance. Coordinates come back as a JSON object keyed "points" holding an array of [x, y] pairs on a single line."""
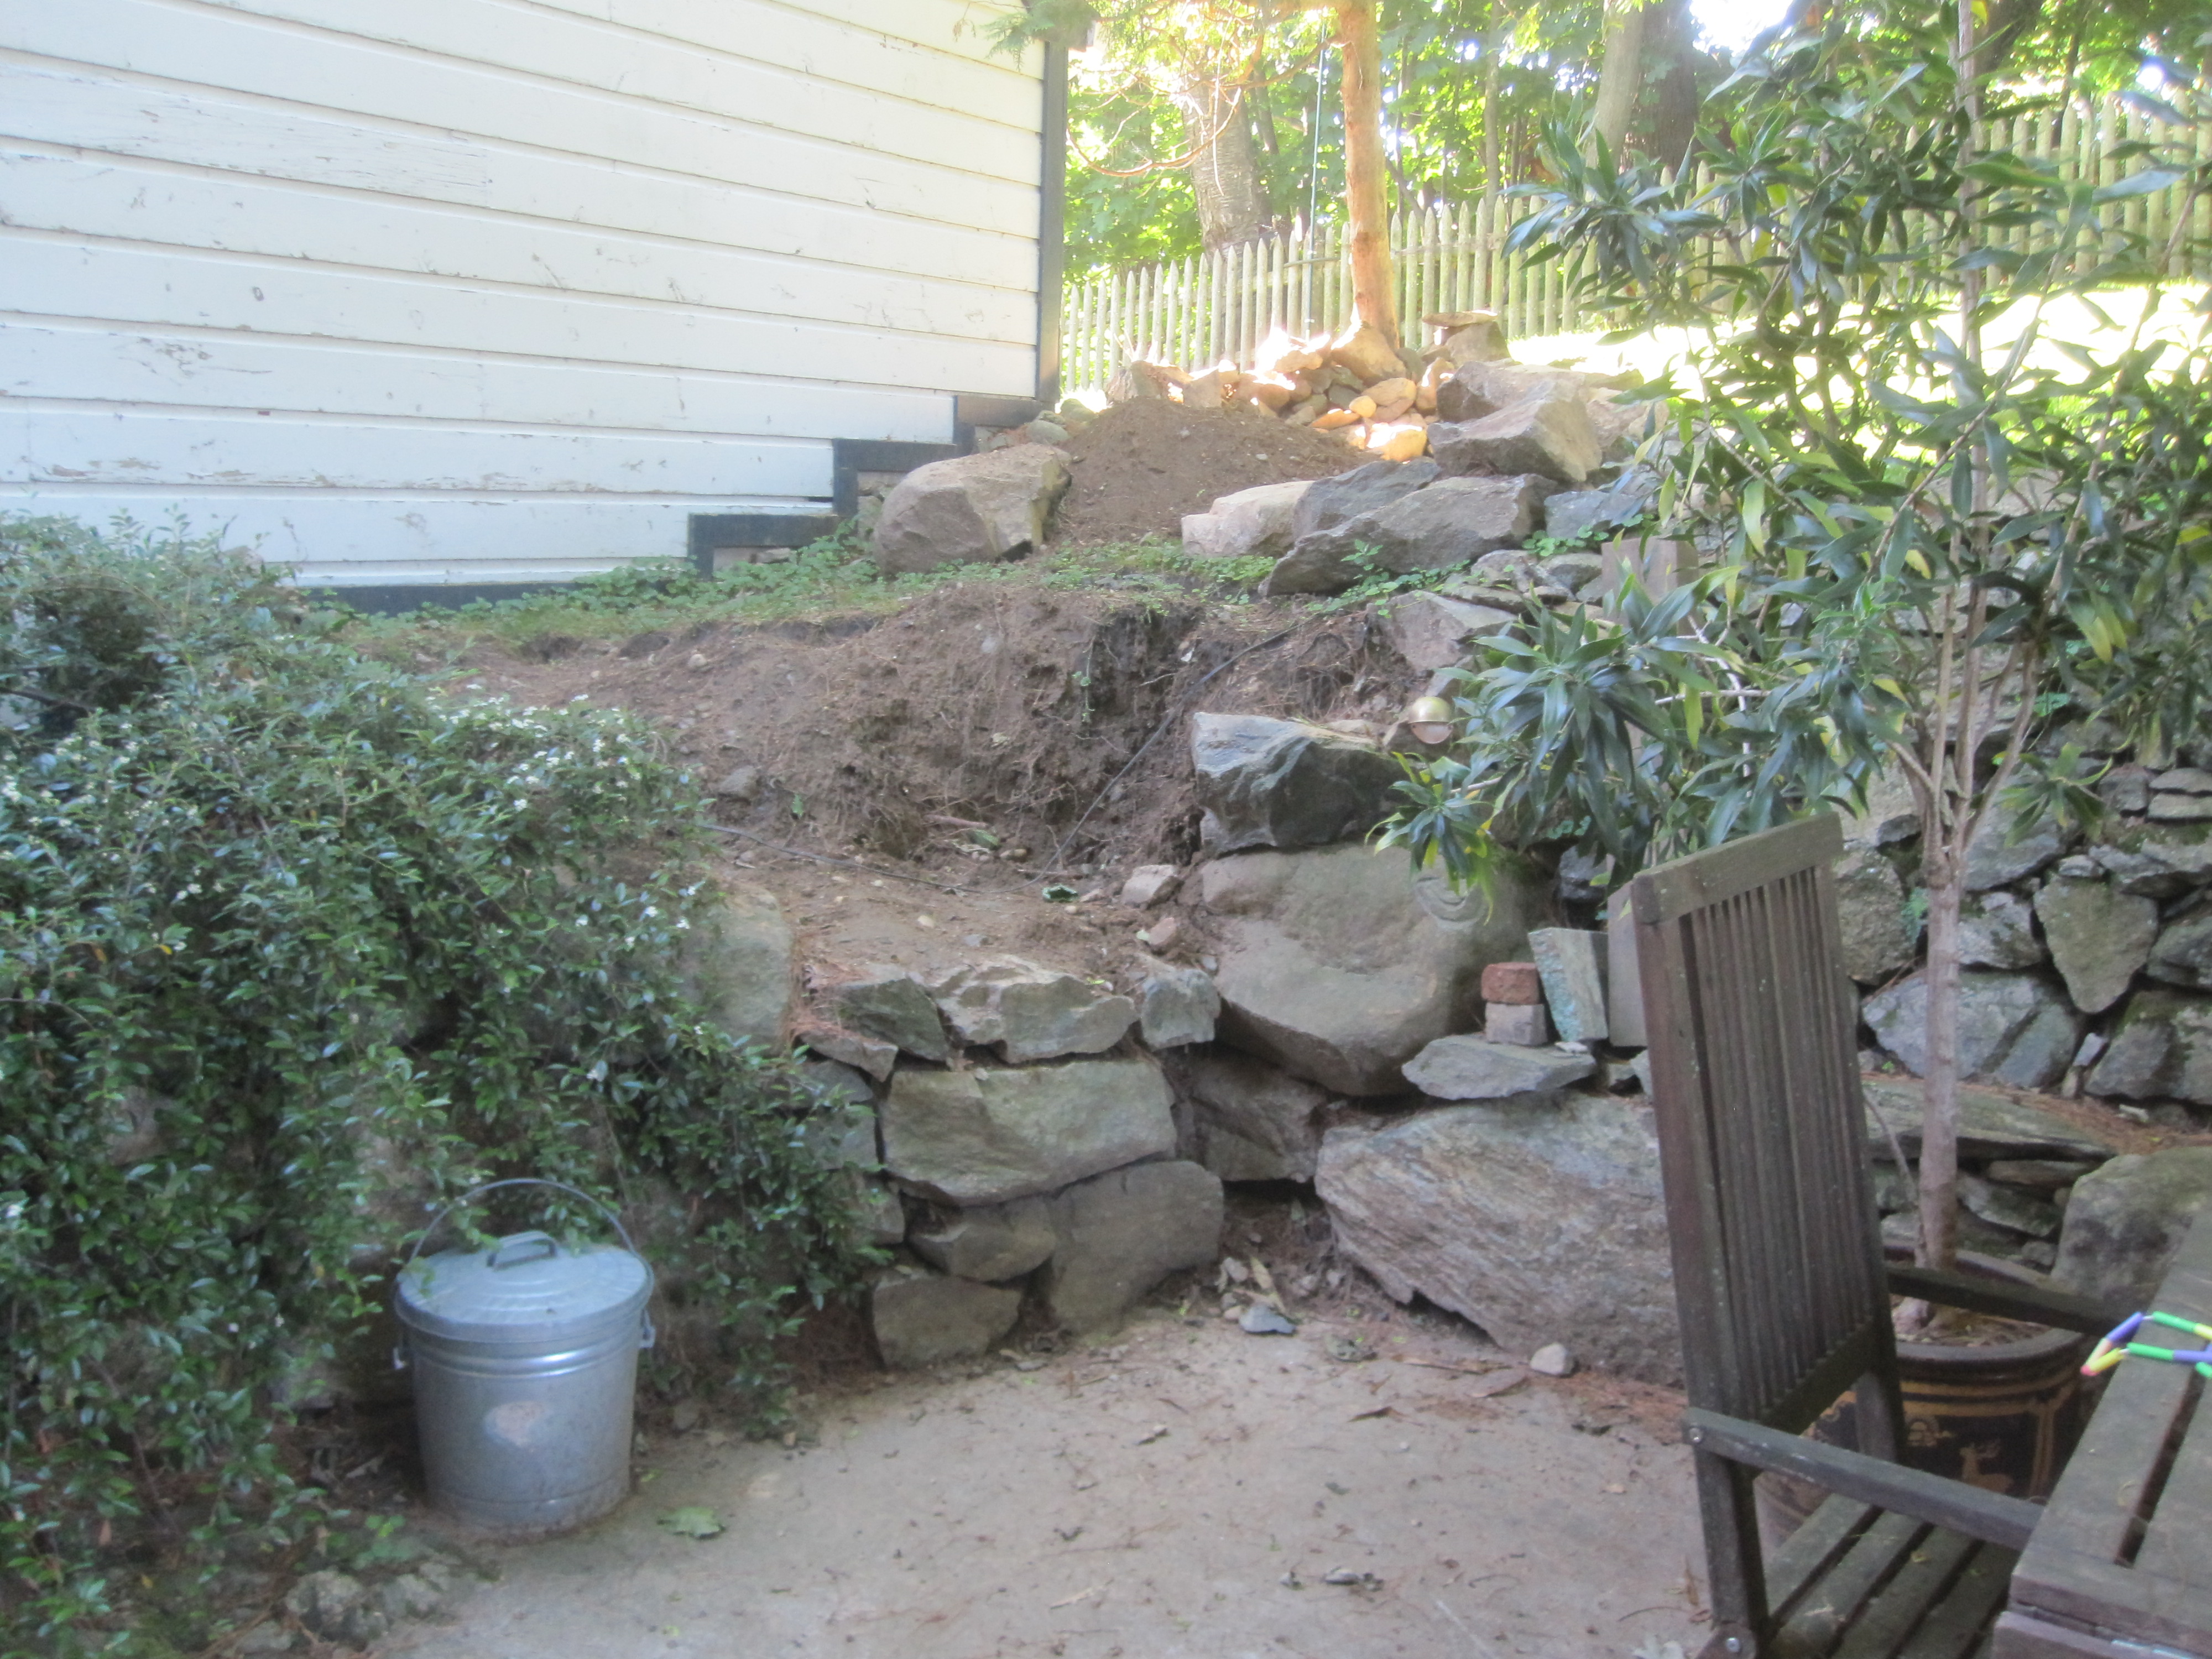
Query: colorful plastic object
{"points": [[2118, 1344]]}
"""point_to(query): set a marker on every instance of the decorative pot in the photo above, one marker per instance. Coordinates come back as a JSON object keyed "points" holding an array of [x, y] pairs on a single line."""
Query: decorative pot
{"points": [[2004, 1417]]}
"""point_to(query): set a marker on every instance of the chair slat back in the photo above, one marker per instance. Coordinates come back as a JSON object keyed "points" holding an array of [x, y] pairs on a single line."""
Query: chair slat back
{"points": [[1755, 1077]]}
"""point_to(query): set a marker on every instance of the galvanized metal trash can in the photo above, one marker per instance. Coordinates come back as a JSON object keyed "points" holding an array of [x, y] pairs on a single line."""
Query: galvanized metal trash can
{"points": [[524, 1361]]}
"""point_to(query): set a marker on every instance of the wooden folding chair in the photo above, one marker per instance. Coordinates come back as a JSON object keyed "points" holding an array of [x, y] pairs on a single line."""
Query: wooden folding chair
{"points": [[1780, 1278]]}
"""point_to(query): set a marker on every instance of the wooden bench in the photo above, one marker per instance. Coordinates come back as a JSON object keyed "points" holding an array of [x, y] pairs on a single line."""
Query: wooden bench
{"points": [[2120, 1565]]}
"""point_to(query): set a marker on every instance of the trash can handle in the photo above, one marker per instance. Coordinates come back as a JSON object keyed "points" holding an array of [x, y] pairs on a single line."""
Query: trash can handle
{"points": [[613, 1221], [509, 1251]]}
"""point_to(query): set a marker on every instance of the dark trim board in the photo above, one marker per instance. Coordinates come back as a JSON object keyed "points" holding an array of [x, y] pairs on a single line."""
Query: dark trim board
{"points": [[1052, 224], [390, 598], [712, 532], [851, 457]]}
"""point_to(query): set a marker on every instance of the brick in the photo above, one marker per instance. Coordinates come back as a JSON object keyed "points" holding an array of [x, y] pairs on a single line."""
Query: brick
{"points": [[1515, 983]]}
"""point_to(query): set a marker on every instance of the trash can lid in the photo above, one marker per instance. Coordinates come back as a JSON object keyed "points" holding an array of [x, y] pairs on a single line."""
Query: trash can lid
{"points": [[526, 1288]]}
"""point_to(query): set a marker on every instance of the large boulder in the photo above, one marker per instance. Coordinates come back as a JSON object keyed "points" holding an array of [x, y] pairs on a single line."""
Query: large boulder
{"points": [[2161, 860], [893, 1005], [2125, 1222], [2098, 937], [2182, 954], [1451, 522], [737, 964], [1990, 1125], [1249, 524], [1997, 929], [1250, 1120], [1552, 436], [970, 508], [1878, 940], [989, 1241], [2013, 1028], [921, 1319], [1340, 965], [2005, 848], [1573, 514], [993, 1133], [1476, 1068], [1266, 782], [1029, 1013], [1118, 1235], [1329, 502], [1479, 389], [1431, 631], [1542, 1222], [2161, 1049]]}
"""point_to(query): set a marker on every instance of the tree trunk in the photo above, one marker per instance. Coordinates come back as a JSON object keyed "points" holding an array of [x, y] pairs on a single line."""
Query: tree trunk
{"points": [[1620, 72], [1945, 872], [1365, 176], [1225, 172], [1672, 78]]}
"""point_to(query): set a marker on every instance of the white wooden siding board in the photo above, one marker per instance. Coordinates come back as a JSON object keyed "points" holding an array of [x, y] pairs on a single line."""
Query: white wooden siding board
{"points": [[156, 38], [47, 276], [142, 203], [247, 373], [679, 72], [949, 70], [337, 539], [46, 103], [194, 449], [933, 23]]}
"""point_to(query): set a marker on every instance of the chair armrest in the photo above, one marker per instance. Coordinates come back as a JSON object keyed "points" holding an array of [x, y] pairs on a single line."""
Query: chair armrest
{"points": [[1990, 1517], [2061, 1309]]}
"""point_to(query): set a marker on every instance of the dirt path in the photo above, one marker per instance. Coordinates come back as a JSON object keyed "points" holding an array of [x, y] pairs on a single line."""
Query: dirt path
{"points": [[1184, 1491]]}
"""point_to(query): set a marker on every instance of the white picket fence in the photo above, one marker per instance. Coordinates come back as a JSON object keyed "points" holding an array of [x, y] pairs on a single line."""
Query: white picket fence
{"points": [[1218, 307]]}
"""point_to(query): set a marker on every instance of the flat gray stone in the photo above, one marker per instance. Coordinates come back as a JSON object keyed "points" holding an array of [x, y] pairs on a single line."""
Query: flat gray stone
{"points": [[1340, 965], [1997, 929], [2099, 938], [989, 1241], [1118, 1235], [2180, 809], [2013, 1028], [1178, 1006], [921, 1319], [1450, 522], [893, 1007], [2001, 1206], [1550, 435], [2182, 953], [867, 1055], [993, 1133], [2185, 779], [2159, 861], [1476, 1068], [1878, 940], [1286, 784], [1247, 523], [1892, 815], [1572, 572], [1572, 965], [1997, 854], [1572, 514], [971, 508], [2125, 1223], [1329, 502], [1029, 1012], [1250, 1120], [1990, 1125], [737, 964], [2161, 1049], [1539, 1223], [1431, 631]]}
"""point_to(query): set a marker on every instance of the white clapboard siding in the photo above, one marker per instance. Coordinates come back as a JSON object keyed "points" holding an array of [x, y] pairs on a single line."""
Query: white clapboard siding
{"points": [[634, 63], [344, 540], [124, 116], [497, 290], [107, 199], [219, 370], [231, 51]]}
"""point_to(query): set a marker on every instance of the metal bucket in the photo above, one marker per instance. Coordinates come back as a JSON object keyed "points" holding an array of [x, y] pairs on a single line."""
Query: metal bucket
{"points": [[525, 1358]]}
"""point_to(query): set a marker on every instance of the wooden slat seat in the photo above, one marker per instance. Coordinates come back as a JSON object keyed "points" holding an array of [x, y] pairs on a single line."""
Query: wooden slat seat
{"points": [[1780, 1280]]}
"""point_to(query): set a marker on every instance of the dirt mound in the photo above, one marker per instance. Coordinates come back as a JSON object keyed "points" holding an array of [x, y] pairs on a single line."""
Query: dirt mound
{"points": [[1016, 706], [1139, 467]]}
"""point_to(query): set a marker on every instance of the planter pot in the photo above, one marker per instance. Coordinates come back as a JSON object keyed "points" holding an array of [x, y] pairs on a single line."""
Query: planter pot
{"points": [[2004, 1417]]}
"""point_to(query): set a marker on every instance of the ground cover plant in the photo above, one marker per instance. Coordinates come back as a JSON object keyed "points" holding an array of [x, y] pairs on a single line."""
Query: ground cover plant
{"points": [[291, 948], [1917, 543]]}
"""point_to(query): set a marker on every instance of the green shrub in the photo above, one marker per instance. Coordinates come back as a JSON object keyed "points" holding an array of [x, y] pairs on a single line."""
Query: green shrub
{"points": [[292, 948]]}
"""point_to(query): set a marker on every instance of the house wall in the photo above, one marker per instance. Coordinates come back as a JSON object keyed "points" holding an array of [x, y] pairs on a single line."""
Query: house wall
{"points": [[497, 290]]}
